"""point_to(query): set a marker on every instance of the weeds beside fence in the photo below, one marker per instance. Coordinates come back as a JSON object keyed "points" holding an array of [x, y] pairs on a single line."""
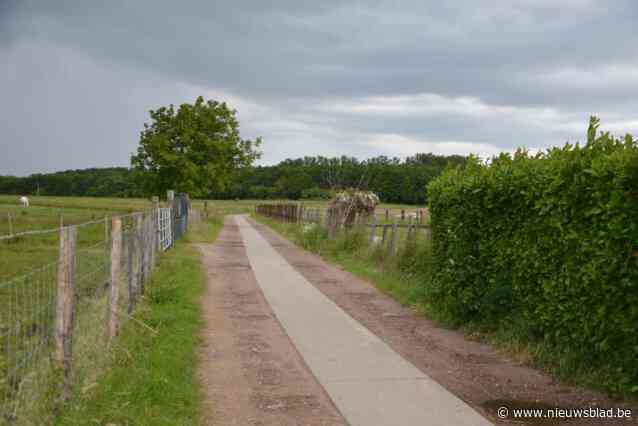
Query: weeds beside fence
{"points": [[60, 319], [400, 231]]}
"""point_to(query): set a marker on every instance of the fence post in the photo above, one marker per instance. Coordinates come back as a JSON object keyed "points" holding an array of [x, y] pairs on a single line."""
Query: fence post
{"points": [[393, 241], [373, 227], [10, 223], [132, 269], [148, 267], [139, 267], [402, 215], [114, 291], [160, 226], [142, 249], [65, 306], [387, 215], [151, 239], [383, 234]]}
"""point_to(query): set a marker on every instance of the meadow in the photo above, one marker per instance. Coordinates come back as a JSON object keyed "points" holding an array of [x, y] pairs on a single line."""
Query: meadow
{"points": [[22, 254]]}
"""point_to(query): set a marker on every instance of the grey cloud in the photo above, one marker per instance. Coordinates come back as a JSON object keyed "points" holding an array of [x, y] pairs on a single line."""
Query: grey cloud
{"points": [[282, 59]]}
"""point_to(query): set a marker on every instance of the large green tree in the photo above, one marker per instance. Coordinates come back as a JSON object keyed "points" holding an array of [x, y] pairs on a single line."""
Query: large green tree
{"points": [[195, 149]]}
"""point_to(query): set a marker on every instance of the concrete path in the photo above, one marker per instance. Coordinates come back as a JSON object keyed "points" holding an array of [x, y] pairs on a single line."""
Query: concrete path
{"points": [[368, 382]]}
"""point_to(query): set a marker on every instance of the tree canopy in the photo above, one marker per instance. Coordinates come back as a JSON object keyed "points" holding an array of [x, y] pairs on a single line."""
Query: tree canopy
{"points": [[195, 148]]}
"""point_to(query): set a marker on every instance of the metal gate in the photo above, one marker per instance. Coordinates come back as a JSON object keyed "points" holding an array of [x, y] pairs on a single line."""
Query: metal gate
{"points": [[164, 228], [180, 215], [172, 222]]}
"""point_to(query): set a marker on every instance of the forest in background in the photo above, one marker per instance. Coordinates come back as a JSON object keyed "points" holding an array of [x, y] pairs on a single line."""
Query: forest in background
{"points": [[394, 180]]}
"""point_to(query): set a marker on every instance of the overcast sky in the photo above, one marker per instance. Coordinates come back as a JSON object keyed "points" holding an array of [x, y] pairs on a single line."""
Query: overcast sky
{"points": [[356, 78]]}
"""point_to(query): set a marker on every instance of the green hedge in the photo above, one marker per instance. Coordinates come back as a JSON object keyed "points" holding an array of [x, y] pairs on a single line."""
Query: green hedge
{"points": [[548, 242]]}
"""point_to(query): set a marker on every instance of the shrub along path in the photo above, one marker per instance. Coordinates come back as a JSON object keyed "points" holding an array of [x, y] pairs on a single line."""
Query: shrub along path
{"points": [[472, 371]]}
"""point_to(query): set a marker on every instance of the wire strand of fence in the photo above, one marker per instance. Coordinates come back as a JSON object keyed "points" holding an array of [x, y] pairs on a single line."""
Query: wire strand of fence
{"points": [[57, 229]]}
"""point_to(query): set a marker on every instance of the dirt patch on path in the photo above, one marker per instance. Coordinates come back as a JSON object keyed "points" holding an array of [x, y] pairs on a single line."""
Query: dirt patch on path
{"points": [[473, 371], [250, 370]]}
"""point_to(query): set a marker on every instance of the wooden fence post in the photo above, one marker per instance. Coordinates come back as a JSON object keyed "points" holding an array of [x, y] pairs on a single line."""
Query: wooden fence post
{"points": [[387, 215], [138, 255], [131, 270], [428, 234], [156, 227], [410, 229], [384, 234], [149, 242], [402, 215], [373, 231], [10, 223], [65, 306], [114, 290], [146, 270], [393, 241]]}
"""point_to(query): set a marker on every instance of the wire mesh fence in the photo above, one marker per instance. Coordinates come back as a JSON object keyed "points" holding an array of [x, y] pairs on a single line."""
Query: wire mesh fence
{"points": [[59, 320]]}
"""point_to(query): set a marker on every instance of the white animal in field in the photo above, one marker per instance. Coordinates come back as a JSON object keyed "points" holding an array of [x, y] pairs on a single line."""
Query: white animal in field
{"points": [[25, 201]]}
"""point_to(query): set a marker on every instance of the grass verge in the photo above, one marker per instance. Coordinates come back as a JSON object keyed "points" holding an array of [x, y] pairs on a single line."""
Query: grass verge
{"points": [[152, 379]]}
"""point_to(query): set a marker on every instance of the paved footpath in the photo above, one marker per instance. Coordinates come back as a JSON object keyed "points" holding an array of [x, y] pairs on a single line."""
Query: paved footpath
{"points": [[369, 383]]}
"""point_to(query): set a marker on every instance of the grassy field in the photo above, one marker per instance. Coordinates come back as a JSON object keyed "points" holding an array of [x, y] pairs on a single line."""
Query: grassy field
{"points": [[23, 254], [100, 204]]}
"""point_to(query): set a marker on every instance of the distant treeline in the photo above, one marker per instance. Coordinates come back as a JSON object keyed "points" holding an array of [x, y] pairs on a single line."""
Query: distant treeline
{"points": [[393, 179], [106, 182]]}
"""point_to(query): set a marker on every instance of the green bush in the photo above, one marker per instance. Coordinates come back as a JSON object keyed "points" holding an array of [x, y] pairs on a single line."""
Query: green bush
{"points": [[551, 239]]}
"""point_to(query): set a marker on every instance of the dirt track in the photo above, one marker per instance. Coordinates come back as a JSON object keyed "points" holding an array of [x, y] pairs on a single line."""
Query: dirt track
{"points": [[253, 375]]}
